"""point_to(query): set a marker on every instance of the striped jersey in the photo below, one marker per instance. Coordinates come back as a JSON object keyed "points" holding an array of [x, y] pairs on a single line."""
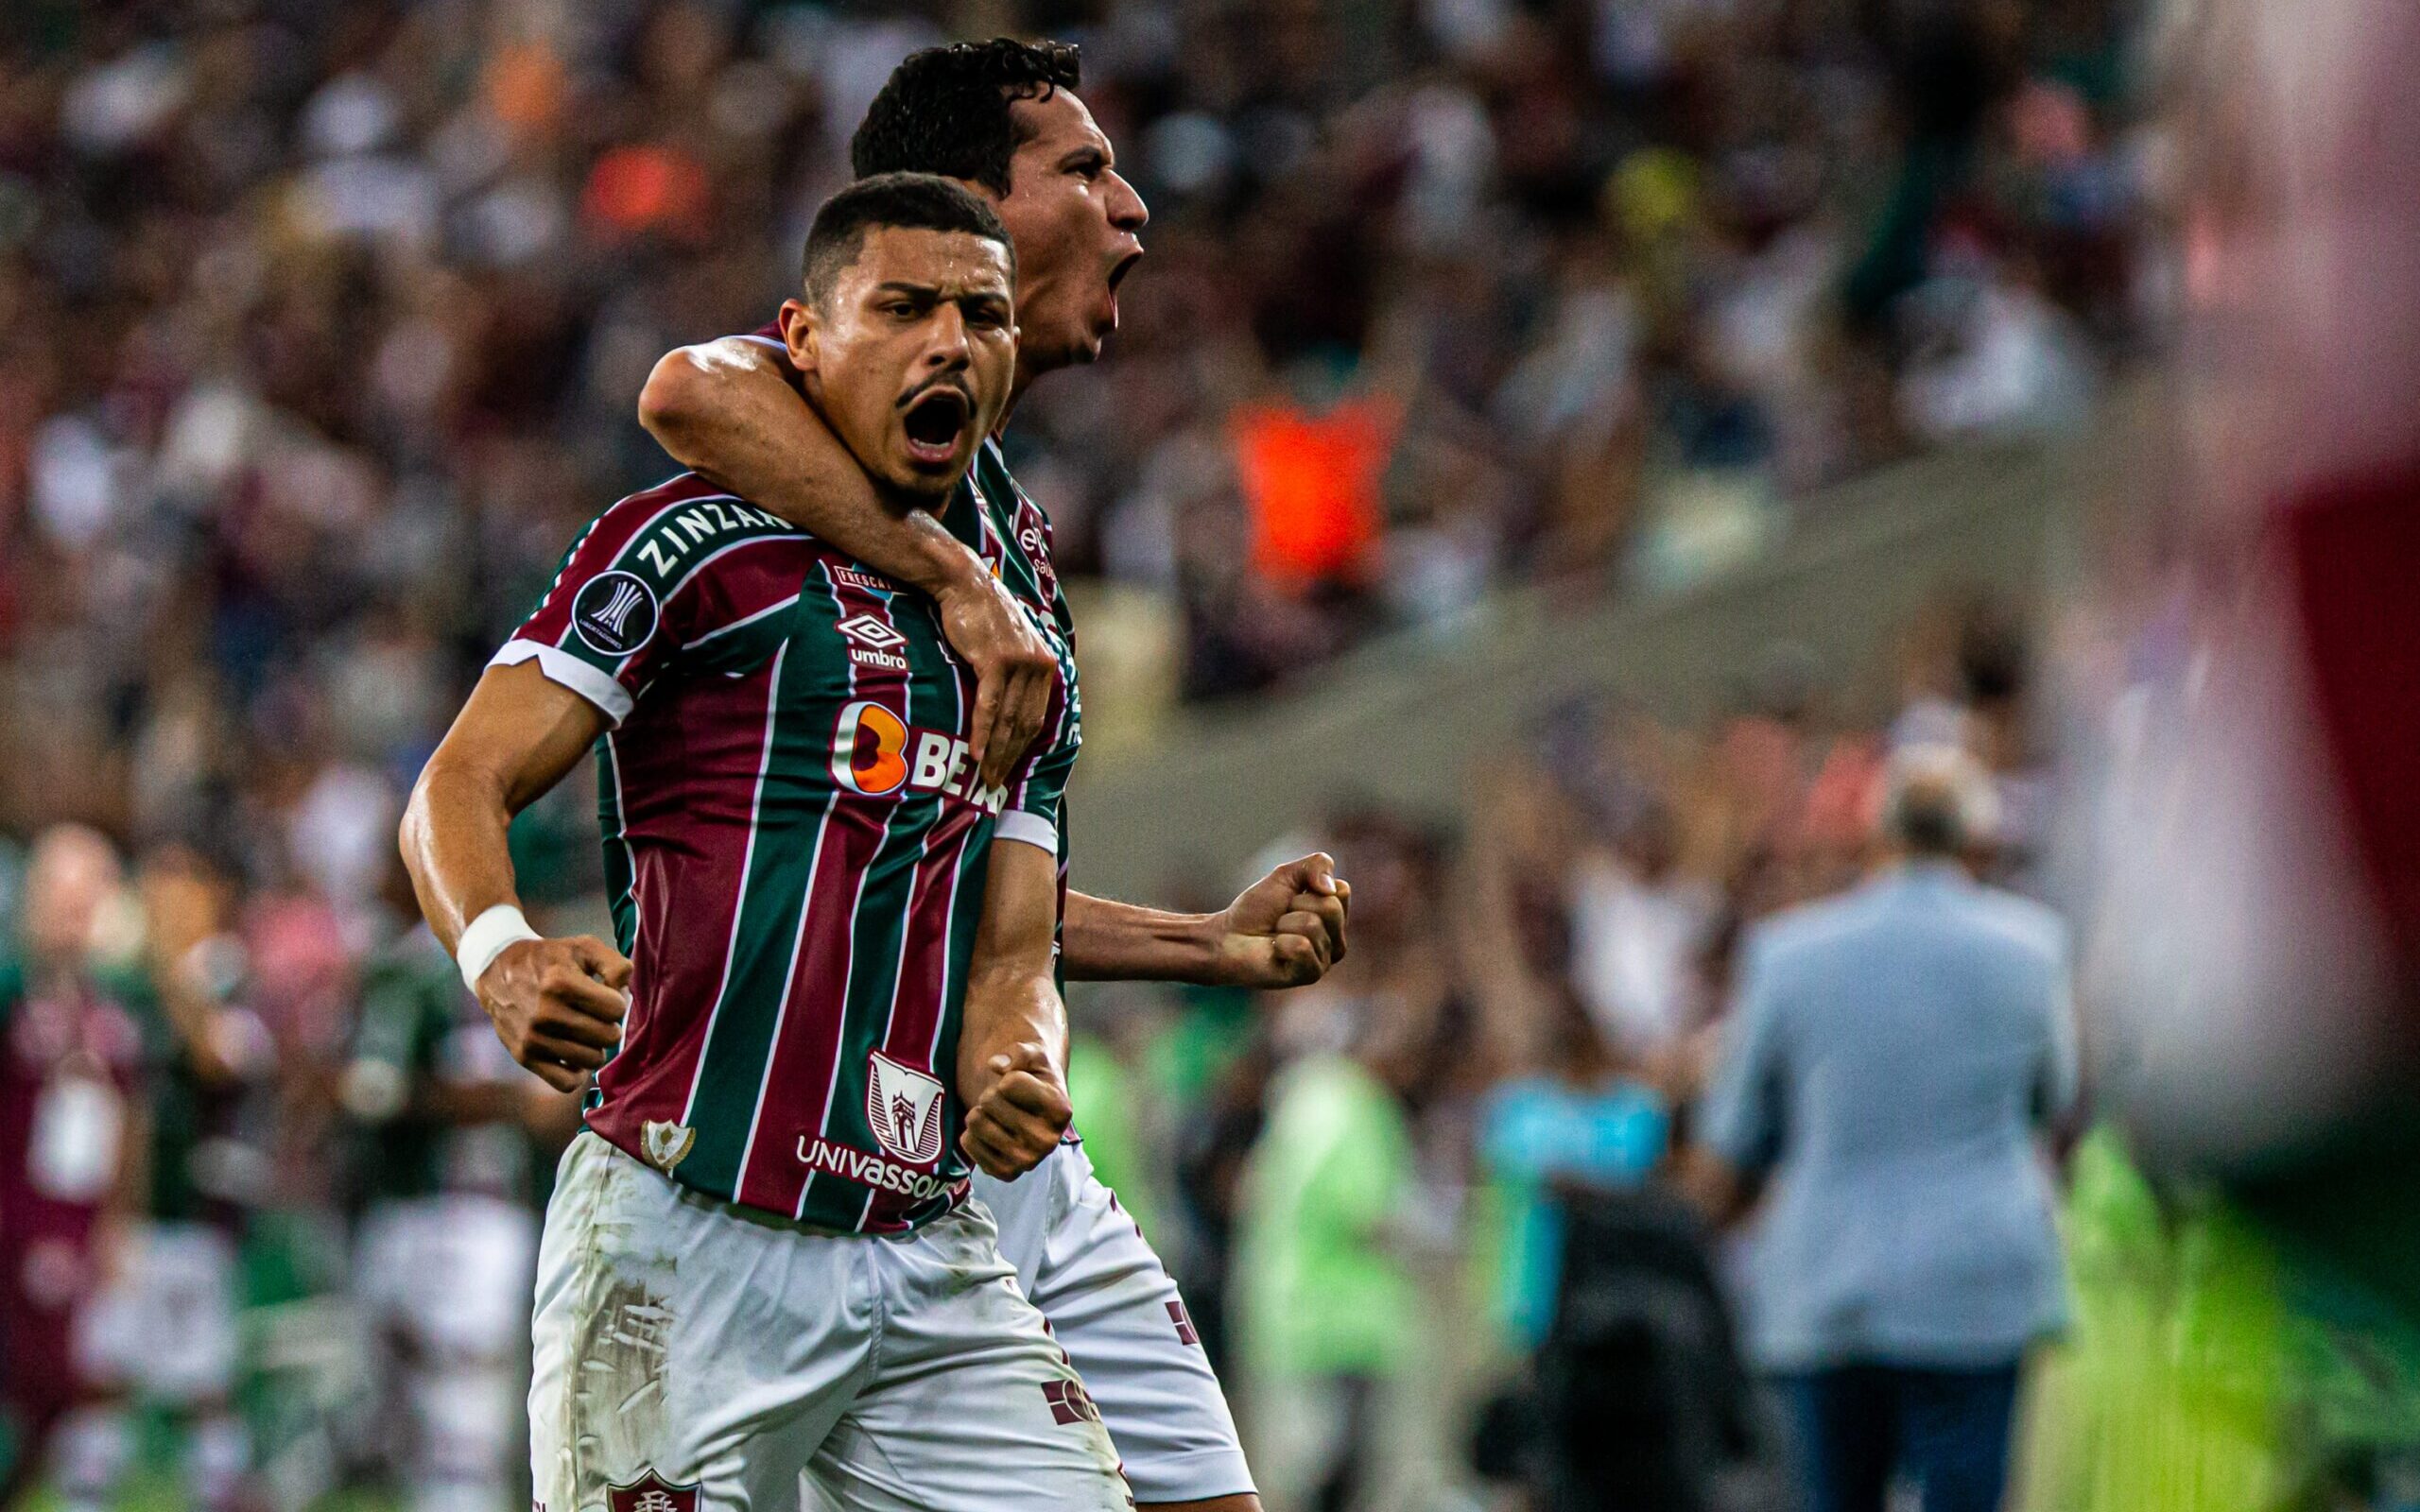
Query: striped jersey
{"points": [[1029, 527], [795, 841]]}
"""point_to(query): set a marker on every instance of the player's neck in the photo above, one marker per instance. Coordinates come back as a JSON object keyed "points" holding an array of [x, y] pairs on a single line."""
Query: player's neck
{"points": [[1030, 367], [1025, 376]]}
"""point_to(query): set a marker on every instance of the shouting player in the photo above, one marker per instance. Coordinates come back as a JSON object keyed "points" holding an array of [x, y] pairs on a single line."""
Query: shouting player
{"points": [[840, 986], [1003, 119]]}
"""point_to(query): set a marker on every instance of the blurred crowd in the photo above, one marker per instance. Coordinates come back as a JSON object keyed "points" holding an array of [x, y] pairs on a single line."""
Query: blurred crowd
{"points": [[268, 1125], [322, 326], [1364, 1181]]}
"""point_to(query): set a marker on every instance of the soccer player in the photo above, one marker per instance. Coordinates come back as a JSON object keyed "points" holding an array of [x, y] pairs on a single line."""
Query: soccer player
{"points": [[1003, 118], [759, 1281]]}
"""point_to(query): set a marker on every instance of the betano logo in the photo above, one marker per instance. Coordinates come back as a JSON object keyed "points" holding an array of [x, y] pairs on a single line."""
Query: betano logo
{"points": [[871, 757]]}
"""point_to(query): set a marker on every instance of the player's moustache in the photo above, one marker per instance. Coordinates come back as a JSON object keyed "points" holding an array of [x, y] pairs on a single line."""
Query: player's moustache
{"points": [[954, 382]]}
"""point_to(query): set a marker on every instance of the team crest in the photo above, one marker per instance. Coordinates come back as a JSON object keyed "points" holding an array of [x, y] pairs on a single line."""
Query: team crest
{"points": [[904, 1107], [651, 1493], [666, 1145], [615, 613]]}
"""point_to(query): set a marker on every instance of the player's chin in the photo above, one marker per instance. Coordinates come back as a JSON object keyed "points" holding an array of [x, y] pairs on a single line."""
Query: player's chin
{"points": [[1084, 346], [931, 477]]}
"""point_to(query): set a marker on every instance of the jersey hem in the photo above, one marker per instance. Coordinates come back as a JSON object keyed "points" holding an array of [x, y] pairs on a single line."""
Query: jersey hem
{"points": [[562, 666], [634, 1150]]}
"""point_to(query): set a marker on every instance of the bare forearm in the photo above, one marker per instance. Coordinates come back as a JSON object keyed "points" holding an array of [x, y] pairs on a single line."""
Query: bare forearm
{"points": [[454, 843], [725, 411], [513, 742], [1005, 1009], [1110, 941]]}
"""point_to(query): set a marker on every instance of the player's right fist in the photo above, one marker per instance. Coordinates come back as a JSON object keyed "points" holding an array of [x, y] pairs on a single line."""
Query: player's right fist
{"points": [[1020, 1117], [557, 1004]]}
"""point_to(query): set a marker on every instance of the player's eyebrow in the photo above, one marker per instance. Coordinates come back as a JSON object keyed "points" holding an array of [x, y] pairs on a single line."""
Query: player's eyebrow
{"points": [[1075, 156]]}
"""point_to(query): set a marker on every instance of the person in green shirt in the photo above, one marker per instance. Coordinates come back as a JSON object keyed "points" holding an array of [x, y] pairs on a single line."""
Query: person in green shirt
{"points": [[1326, 1306]]}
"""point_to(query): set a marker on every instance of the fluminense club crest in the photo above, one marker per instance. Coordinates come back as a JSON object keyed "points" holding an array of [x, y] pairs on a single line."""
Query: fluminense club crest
{"points": [[904, 1107], [666, 1145], [652, 1492]]}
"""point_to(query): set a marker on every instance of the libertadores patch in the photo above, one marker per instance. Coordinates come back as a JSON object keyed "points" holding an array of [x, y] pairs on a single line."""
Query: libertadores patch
{"points": [[616, 613]]}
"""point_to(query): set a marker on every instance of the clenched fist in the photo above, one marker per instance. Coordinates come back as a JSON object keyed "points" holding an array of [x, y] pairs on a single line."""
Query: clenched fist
{"points": [[1020, 1117], [1287, 929], [557, 1004]]}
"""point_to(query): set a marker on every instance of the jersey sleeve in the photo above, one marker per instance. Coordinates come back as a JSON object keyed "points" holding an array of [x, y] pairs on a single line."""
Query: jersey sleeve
{"points": [[601, 628], [1037, 792]]}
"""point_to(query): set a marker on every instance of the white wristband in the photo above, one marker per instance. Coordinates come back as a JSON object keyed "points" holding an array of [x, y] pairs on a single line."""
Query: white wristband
{"points": [[485, 938]]}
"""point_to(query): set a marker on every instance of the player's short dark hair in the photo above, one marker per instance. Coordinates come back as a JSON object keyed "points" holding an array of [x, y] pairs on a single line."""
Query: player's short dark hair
{"points": [[945, 110], [914, 201]]}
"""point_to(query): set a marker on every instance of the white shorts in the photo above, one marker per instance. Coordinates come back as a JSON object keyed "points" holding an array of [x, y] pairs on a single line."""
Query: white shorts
{"points": [[1112, 1305], [690, 1354]]}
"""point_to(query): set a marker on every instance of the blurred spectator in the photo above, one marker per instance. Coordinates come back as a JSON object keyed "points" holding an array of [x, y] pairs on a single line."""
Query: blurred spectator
{"points": [[121, 1282], [447, 1242], [1326, 1307], [68, 1157], [1892, 1053], [320, 329], [1640, 928], [1571, 1112]]}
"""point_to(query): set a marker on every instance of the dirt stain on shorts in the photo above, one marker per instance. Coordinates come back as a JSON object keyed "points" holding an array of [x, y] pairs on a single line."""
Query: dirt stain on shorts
{"points": [[620, 1424]]}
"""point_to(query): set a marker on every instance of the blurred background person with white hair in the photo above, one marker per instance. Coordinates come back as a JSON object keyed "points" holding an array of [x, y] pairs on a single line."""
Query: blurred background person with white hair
{"points": [[1894, 1054]]}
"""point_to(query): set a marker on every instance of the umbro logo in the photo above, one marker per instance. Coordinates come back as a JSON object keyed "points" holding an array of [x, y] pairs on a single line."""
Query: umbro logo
{"points": [[869, 631]]}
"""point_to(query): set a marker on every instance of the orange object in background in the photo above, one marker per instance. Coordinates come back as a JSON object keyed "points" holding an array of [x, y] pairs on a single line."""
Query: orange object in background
{"points": [[1310, 486], [528, 88], [644, 188]]}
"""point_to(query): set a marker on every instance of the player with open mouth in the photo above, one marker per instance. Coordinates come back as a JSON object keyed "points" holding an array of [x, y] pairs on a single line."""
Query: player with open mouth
{"points": [[760, 1265], [1003, 119]]}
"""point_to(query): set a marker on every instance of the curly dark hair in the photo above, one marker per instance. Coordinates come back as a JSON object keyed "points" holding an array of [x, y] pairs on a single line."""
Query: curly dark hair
{"points": [[945, 110]]}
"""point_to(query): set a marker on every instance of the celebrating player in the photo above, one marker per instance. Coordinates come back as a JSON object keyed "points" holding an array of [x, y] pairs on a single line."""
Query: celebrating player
{"points": [[1003, 119], [840, 987]]}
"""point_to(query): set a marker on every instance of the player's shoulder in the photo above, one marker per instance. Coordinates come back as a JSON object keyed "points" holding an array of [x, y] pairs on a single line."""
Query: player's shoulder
{"points": [[664, 534], [683, 552]]}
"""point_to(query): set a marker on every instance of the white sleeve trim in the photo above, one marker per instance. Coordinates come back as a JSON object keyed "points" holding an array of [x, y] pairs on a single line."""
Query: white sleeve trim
{"points": [[562, 666], [1029, 828]]}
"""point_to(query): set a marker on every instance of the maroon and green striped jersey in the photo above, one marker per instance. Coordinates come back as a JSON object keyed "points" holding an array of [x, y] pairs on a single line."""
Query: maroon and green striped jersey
{"points": [[795, 841], [1026, 524]]}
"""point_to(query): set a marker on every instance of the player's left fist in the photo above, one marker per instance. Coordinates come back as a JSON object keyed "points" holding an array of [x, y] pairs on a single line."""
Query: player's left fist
{"points": [[1287, 929], [1020, 1117]]}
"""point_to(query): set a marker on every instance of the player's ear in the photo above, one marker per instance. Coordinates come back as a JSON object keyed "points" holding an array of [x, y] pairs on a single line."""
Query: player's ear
{"points": [[800, 328]]}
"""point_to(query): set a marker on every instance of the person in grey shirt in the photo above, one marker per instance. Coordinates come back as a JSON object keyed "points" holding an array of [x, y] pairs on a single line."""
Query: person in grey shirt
{"points": [[1893, 1056]]}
